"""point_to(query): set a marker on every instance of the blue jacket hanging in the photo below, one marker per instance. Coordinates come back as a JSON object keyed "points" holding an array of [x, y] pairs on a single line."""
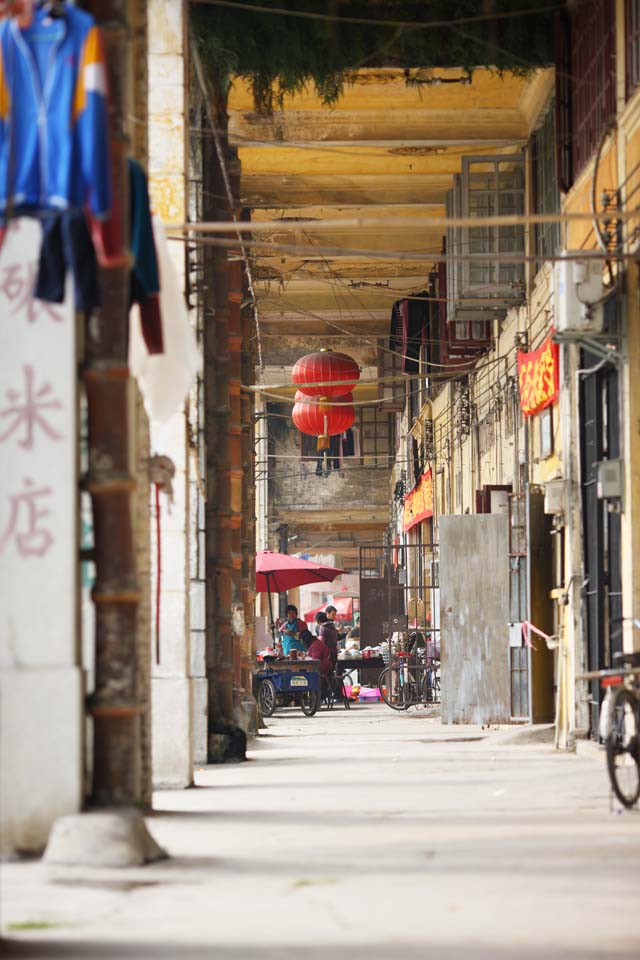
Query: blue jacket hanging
{"points": [[54, 143]]}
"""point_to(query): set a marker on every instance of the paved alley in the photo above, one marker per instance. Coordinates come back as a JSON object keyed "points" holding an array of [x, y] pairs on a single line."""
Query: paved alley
{"points": [[362, 834]]}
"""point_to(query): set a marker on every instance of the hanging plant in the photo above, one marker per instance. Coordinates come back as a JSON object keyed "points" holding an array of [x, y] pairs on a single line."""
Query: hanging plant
{"points": [[280, 55]]}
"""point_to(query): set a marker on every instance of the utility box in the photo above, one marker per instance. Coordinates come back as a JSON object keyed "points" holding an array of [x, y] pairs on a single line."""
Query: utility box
{"points": [[609, 479], [554, 496], [577, 292]]}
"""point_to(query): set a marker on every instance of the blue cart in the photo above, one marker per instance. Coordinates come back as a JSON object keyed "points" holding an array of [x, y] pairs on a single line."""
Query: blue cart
{"points": [[277, 682]]}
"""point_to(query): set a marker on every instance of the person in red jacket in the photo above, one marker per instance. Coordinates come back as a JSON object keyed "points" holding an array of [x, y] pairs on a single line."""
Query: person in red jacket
{"points": [[318, 650]]}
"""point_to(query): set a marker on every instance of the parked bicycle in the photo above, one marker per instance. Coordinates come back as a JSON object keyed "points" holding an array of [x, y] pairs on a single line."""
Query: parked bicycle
{"points": [[623, 735], [620, 723], [409, 681]]}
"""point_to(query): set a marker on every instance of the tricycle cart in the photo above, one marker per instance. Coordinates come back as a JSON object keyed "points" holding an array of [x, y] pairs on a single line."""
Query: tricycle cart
{"points": [[277, 682]]}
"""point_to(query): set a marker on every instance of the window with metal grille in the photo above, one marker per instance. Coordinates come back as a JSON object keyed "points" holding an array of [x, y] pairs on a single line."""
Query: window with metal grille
{"points": [[593, 70], [546, 193], [370, 440], [493, 186], [392, 392], [376, 437], [632, 37]]}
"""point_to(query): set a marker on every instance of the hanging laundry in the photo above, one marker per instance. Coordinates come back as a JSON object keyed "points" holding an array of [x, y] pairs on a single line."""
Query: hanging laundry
{"points": [[408, 330], [145, 283], [165, 378], [54, 144], [67, 245]]}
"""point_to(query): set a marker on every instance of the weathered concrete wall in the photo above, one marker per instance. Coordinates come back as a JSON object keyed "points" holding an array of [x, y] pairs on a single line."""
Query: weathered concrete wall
{"points": [[294, 484], [474, 613]]}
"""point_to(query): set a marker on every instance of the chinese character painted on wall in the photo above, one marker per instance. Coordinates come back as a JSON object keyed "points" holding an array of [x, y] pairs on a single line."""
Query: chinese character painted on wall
{"points": [[17, 281], [26, 411], [24, 527]]}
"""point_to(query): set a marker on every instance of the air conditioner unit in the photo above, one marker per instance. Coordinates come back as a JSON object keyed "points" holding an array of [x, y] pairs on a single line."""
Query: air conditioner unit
{"points": [[577, 292]]}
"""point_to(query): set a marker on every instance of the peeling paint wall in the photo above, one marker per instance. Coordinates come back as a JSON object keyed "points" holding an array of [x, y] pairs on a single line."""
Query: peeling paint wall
{"points": [[474, 612]]}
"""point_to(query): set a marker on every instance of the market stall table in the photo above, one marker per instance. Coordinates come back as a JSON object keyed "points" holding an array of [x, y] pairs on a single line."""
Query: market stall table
{"points": [[369, 668]]}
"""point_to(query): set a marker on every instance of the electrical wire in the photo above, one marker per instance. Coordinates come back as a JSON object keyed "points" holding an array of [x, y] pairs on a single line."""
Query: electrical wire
{"points": [[206, 94], [413, 257], [371, 22]]}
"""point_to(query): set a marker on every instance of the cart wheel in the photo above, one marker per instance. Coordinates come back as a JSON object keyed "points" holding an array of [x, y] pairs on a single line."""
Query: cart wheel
{"points": [[267, 698], [309, 702]]}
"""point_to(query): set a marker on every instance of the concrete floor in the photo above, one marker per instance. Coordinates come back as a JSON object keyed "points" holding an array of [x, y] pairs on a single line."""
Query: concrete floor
{"points": [[361, 834]]}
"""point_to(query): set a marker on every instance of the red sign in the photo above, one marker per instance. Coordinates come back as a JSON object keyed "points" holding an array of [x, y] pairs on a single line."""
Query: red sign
{"points": [[539, 377], [418, 504]]}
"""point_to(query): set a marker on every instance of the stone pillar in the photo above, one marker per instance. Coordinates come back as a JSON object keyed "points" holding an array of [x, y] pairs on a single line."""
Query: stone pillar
{"points": [[172, 693]]}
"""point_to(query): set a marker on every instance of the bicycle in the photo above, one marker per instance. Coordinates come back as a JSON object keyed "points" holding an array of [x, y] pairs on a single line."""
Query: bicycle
{"points": [[619, 726], [404, 684], [623, 735]]}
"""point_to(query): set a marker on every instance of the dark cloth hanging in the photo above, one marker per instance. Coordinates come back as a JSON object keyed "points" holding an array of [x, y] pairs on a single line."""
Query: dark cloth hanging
{"points": [[409, 321], [395, 333], [348, 443], [67, 245], [145, 280], [416, 329]]}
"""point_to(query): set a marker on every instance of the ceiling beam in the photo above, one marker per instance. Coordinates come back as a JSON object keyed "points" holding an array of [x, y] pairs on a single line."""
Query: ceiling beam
{"points": [[355, 271], [408, 161], [383, 128], [291, 190]]}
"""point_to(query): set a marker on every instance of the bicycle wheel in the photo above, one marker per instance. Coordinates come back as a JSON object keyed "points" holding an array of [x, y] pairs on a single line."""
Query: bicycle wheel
{"points": [[399, 691], [623, 748], [427, 688], [389, 685], [267, 698], [309, 702]]}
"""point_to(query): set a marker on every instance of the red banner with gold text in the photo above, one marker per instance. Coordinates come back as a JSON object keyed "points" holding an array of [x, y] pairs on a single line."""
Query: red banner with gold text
{"points": [[418, 504], [539, 377]]}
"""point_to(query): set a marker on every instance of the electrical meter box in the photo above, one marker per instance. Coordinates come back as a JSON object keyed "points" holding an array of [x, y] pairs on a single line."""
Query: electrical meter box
{"points": [[609, 479], [577, 292]]}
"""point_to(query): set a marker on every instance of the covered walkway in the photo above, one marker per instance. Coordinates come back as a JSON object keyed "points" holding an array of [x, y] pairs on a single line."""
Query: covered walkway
{"points": [[360, 834]]}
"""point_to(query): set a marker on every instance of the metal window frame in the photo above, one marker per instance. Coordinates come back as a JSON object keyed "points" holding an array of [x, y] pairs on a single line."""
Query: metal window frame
{"points": [[632, 39], [593, 68], [493, 289]]}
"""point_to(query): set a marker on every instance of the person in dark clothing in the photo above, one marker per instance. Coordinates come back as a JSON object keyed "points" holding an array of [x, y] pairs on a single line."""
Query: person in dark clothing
{"points": [[328, 633]]}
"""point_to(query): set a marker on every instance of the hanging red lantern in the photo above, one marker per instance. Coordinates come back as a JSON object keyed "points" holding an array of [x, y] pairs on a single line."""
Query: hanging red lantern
{"points": [[319, 419], [338, 372]]}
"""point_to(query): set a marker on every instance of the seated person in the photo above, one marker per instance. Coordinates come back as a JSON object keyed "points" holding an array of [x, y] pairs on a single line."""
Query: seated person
{"points": [[318, 650], [307, 638], [290, 631]]}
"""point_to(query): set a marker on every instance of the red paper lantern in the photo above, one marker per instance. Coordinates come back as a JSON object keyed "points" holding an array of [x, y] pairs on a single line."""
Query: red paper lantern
{"points": [[337, 371], [319, 419]]}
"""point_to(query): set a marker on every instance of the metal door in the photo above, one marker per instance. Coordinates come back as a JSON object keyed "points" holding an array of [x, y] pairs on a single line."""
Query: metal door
{"points": [[600, 440]]}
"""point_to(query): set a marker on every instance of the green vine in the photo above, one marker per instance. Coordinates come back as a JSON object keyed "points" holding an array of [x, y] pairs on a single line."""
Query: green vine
{"points": [[280, 55]]}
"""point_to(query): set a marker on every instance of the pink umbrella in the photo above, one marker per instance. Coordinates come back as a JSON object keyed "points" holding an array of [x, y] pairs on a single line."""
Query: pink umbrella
{"points": [[343, 605], [278, 572]]}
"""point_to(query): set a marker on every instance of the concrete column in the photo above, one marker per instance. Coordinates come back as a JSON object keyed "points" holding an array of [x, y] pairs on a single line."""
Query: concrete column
{"points": [[630, 392], [172, 693]]}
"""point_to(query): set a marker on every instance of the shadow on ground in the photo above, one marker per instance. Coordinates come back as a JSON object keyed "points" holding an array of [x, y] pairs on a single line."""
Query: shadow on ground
{"points": [[94, 950]]}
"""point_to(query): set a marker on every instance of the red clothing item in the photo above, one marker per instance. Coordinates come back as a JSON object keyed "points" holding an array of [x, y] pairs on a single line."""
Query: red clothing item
{"points": [[319, 651]]}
